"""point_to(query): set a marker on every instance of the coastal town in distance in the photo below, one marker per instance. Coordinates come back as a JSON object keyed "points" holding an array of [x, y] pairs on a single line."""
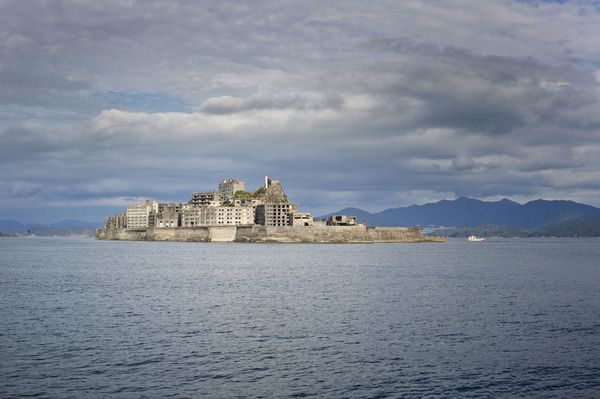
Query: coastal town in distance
{"points": [[233, 214]]}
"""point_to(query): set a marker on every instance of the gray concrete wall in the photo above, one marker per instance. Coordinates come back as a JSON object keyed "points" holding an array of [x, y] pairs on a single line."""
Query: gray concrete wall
{"points": [[222, 234], [196, 234], [255, 233], [318, 234], [329, 234], [395, 234], [262, 234]]}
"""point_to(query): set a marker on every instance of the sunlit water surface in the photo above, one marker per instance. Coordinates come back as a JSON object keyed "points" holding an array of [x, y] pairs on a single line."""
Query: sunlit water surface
{"points": [[503, 318]]}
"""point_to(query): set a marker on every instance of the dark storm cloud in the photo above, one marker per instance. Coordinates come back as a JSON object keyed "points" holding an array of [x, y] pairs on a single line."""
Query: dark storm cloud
{"points": [[349, 103], [487, 93]]}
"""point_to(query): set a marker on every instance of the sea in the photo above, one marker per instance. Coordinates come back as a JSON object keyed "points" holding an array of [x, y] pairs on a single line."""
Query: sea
{"points": [[505, 318]]}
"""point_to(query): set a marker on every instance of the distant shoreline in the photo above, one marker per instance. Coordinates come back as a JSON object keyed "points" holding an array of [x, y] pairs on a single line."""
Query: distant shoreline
{"points": [[568, 229]]}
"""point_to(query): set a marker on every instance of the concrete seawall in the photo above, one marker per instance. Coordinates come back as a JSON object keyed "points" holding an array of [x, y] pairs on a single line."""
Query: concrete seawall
{"points": [[193, 234], [262, 234]]}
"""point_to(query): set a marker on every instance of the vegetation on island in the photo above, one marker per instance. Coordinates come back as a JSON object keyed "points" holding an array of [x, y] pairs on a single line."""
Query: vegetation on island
{"points": [[247, 195], [273, 194]]}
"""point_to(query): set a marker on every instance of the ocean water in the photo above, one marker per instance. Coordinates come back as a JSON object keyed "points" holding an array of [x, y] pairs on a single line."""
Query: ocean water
{"points": [[503, 318]]}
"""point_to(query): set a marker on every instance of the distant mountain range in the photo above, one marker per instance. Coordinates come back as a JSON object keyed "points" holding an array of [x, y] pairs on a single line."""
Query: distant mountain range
{"points": [[466, 211], [65, 227], [539, 217]]}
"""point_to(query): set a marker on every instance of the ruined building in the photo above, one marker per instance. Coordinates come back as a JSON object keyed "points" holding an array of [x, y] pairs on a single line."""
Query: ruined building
{"points": [[169, 215], [197, 216], [207, 198], [141, 215], [268, 206], [228, 187]]}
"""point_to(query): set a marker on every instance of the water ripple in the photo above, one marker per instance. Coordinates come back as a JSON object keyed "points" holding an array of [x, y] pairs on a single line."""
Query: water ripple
{"points": [[91, 319]]}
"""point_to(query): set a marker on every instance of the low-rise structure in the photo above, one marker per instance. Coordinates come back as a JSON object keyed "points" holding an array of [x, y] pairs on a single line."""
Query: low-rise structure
{"points": [[341, 220], [300, 219]]}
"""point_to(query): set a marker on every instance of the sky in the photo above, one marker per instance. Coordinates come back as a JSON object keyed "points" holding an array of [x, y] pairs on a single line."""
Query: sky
{"points": [[374, 104]]}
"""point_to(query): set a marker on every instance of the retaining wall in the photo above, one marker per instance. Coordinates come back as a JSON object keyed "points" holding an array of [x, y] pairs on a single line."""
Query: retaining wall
{"points": [[262, 234], [195, 234]]}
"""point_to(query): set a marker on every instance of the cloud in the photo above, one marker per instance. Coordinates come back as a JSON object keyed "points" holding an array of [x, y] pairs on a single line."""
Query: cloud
{"points": [[463, 163], [304, 101], [20, 189], [346, 102]]}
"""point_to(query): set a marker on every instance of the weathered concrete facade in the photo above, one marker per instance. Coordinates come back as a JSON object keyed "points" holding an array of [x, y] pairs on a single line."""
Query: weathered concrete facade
{"points": [[341, 220], [330, 234], [300, 219], [195, 234], [268, 234], [275, 214], [119, 221], [169, 215], [208, 198], [228, 187], [142, 215], [196, 216]]}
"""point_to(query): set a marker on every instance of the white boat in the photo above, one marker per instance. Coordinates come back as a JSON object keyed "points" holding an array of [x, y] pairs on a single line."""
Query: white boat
{"points": [[475, 238]]}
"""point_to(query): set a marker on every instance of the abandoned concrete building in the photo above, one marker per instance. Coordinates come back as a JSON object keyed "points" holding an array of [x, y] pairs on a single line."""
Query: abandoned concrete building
{"points": [[173, 207], [141, 215], [300, 219], [275, 214], [169, 215], [119, 221], [207, 198], [268, 206], [195, 216], [228, 187], [341, 220]]}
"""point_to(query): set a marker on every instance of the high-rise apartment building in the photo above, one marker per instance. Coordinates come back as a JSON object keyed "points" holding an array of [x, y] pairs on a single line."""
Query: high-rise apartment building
{"points": [[141, 215]]}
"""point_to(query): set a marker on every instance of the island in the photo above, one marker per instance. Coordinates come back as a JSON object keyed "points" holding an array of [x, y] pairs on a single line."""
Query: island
{"points": [[232, 214]]}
